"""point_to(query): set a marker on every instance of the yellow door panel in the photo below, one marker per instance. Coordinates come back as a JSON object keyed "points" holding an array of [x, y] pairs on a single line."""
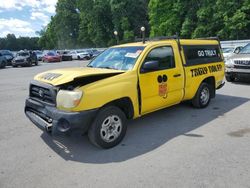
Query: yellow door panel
{"points": [[164, 87]]}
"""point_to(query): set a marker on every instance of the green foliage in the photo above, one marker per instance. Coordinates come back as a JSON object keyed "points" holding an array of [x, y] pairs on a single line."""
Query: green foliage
{"points": [[10, 42], [91, 23], [227, 19]]}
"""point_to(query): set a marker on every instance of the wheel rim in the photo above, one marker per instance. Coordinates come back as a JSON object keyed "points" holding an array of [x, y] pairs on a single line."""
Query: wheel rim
{"points": [[111, 128], [204, 98]]}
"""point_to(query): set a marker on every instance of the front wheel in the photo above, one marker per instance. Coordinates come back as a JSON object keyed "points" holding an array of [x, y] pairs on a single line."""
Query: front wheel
{"points": [[202, 97], [3, 64], [230, 78], [108, 128]]}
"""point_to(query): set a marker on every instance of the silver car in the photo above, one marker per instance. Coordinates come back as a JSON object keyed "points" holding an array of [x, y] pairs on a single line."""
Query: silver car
{"points": [[238, 65]]}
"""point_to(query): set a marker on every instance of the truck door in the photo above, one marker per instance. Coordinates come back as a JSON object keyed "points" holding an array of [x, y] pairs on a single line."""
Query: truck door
{"points": [[161, 79]]}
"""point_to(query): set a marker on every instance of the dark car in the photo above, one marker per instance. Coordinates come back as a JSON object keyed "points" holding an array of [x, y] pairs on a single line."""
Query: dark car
{"points": [[3, 61], [65, 55], [8, 55], [25, 58]]}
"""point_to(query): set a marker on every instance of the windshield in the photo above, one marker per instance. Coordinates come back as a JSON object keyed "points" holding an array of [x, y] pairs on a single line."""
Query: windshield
{"points": [[23, 54], [227, 50], [51, 54], [245, 50], [123, 58]]}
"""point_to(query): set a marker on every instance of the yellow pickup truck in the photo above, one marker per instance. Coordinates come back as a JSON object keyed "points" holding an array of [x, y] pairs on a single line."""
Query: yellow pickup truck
{"points": [[125, 82]]}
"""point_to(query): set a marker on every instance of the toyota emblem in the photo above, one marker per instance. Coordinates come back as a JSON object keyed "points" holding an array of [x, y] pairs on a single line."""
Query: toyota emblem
{"points": [[41, 93]]}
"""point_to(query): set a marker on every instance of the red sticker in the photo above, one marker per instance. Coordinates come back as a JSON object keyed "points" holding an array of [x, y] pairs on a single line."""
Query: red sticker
{"points": [[163, 89]]}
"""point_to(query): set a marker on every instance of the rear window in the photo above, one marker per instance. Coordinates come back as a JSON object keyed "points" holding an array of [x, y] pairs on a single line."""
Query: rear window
{"points": [[202, 54]]}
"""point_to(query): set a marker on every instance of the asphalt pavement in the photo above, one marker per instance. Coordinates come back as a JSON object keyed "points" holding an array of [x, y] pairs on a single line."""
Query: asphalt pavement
{"points": [[175, 147]]}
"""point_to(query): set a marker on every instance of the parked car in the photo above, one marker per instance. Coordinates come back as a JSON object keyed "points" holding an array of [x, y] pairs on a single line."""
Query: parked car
{"points": [[238, 65], [66, 56], [80, 54], [8, 55], [96, 53], [228, 51], [25, 58], [39, 55], [52, 57], [3, 61]]}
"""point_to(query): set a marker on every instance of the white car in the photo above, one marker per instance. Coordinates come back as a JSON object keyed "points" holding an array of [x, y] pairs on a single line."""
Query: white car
{"points": [[228, 51], [80, 54]]}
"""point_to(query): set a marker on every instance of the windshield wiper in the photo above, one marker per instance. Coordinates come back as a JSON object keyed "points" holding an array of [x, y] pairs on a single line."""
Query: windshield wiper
{"points": [[106, 68]]}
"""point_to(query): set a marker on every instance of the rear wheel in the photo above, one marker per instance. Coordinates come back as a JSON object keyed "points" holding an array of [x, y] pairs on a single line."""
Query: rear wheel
{"points": [[108, 128], [203, 96]]}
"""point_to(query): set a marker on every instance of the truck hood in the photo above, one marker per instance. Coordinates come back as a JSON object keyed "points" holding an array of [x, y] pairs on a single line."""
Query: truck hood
{"points": [[21, 57], [240, 57], [63, 76]]}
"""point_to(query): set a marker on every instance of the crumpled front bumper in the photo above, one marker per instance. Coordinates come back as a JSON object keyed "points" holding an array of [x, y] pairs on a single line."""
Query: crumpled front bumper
{"points": [[48, 117]]}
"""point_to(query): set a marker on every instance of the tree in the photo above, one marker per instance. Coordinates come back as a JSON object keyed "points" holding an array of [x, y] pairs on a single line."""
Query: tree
{"points": [[128, 17], [66, 23]]}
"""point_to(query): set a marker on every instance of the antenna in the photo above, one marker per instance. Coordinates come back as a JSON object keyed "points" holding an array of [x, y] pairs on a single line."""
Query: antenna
{"points": [[143, 34]]}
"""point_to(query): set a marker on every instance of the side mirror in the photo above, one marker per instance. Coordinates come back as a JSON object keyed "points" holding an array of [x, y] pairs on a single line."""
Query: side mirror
{"points": [[150, 66]]}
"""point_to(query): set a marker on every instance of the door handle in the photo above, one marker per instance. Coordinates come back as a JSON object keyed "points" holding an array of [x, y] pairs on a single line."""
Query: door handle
{"points": [[177, 75]]}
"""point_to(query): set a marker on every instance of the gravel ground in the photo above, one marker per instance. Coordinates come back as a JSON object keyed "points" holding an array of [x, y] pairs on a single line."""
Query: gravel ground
{"points": [[176, 147]]}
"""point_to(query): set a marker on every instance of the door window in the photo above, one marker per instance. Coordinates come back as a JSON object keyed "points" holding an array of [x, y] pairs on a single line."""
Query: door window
{"points": [[164, 55]]}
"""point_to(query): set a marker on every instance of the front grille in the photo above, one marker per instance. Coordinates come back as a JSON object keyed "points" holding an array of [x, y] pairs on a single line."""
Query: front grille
{"points": [[241, 67], [47, 95], [242, 62], [19, 61]]}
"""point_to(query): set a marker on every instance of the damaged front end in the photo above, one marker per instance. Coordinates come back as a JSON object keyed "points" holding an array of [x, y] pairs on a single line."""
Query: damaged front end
{"points": [[42, 105]]}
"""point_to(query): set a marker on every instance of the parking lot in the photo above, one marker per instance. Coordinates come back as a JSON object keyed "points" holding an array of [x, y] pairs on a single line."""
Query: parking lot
{"points": [[175, 147]]}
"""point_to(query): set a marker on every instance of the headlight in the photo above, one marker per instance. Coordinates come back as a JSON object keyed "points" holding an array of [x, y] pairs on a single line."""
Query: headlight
{"points": [[229, 63], [68, 99]]}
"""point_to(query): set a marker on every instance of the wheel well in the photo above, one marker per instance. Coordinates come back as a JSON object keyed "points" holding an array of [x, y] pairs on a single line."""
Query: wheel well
{"points": [[211, 81], [125, 104]]}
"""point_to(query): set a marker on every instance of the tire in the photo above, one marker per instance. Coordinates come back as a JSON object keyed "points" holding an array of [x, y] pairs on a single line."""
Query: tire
{"points": [[36, 63], [108, 128], [29, 63], [4, 63], [78, 57], [203, 96], [230, 78]]}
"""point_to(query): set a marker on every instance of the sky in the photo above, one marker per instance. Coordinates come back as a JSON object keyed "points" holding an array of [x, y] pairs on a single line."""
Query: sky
{"points": [[25, 17]]}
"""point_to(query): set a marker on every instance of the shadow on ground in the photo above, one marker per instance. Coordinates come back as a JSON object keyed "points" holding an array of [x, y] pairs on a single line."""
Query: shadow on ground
{"points": [[144, 134], [242, 81]]}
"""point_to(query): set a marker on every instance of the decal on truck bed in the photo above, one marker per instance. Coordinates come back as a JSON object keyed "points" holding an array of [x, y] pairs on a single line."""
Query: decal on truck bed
{"points": [[205, 70], [202, 54]]}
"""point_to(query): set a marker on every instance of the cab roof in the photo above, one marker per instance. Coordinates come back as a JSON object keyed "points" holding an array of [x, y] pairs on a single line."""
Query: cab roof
{"points": [[182, 41]]}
